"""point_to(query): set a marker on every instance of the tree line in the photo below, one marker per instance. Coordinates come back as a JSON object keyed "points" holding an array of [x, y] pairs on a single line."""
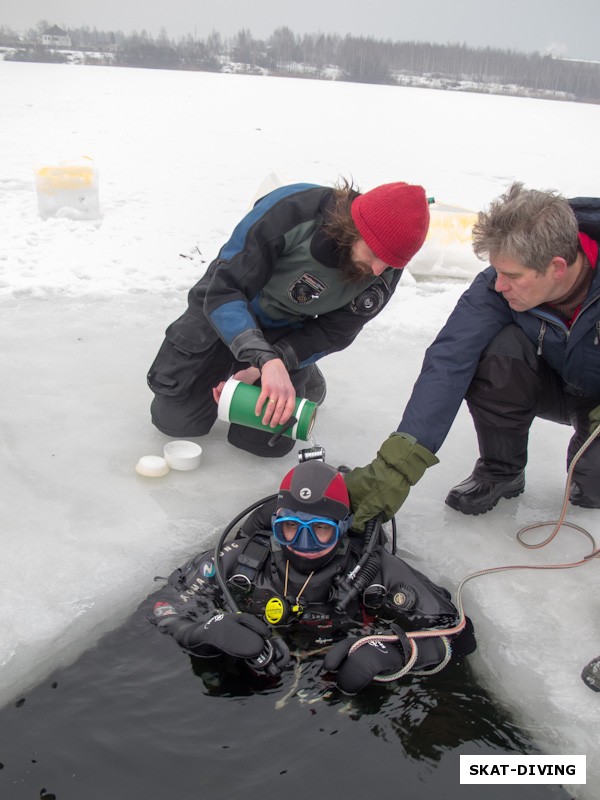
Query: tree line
{"points": [[352, 58]]}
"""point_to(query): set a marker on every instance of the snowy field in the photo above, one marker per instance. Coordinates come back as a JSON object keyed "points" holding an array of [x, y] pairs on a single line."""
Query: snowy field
{"points": [[84, 305]]}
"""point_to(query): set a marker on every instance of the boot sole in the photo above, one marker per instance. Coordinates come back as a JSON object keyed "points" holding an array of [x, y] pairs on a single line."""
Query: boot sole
{"points": [[505, 496], [584, 503], [591, 675]]}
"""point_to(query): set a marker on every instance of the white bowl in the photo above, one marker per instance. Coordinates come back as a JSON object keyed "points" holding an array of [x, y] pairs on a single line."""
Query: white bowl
{"points": [[182, 455], [152, 466]]}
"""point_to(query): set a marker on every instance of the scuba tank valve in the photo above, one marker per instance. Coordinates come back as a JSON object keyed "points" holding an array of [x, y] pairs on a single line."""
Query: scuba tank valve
{"points": [[316, 453]]}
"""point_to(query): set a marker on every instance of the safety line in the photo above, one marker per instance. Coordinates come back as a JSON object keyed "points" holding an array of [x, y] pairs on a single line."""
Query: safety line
{"points": [[444, 633]]}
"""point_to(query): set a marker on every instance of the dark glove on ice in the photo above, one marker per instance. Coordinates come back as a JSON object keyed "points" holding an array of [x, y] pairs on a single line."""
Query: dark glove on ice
{"points": [[164, 616], [356, 670], [383, 485], [238, 635]]}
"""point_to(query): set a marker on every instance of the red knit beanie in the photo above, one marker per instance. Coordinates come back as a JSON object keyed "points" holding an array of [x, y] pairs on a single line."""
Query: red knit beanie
{"points": [[393, 220]]}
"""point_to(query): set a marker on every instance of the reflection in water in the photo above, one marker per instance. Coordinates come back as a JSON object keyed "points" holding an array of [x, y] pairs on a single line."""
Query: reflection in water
{"points": [[428, 715], [136, 719]]}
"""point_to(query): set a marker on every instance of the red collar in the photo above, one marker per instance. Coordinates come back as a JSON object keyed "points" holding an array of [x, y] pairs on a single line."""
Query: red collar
{"points": [[590, 248]]}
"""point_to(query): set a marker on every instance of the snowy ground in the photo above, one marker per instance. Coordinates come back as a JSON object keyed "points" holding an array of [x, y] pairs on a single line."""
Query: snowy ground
{"points": [[84, 305]]}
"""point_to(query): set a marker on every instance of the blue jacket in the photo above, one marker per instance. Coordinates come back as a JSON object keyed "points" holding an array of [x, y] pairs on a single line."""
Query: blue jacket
{"points": [[480, 314]]}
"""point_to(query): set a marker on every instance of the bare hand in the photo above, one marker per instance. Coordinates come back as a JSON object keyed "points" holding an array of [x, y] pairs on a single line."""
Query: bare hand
{"points": [[277, 395], [249, 376]]}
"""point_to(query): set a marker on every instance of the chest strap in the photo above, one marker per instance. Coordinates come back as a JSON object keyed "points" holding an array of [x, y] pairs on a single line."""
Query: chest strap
{"points": [[251, 559]]}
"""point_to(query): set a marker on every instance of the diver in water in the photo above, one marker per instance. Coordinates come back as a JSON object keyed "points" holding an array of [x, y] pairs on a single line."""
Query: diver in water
{"points": [[290, 566]]}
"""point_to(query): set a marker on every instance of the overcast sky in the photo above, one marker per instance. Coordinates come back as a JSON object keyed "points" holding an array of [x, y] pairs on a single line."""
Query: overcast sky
{"points": [[568, 28]]}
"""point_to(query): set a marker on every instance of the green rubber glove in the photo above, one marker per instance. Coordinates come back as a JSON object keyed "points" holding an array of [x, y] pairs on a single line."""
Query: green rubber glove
{"points": [[594, 418], [383, 485]]}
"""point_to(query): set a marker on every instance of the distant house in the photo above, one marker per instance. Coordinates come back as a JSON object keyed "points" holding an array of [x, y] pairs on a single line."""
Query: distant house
{"points": [[56, 37]]}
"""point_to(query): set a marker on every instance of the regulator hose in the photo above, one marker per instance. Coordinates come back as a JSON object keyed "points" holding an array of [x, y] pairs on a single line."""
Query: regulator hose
{"points": [[365, 570], [276, 652]]}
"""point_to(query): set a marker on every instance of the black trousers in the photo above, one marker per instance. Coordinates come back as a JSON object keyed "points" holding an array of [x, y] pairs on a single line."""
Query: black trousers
{"points": [[183, 405], [512, 386]]}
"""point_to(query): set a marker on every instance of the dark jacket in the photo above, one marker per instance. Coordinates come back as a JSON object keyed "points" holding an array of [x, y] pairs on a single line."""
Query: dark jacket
{"points": [[276, 289], [480, 314]]}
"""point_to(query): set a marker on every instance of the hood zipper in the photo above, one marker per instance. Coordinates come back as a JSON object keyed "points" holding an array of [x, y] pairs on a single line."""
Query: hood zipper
{"points": [[558, 322], [541, 335]]}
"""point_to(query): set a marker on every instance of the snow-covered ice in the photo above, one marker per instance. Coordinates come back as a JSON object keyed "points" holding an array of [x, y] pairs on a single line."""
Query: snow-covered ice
{"points": [[84, 305]]}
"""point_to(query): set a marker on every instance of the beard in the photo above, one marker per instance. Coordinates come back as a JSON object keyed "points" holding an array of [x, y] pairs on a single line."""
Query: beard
{"points": [[353, 271]]}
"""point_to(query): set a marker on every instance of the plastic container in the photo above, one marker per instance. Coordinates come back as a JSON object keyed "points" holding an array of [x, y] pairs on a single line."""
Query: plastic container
{"points": [[68, 189], [238, 401], [152, 467], [182, 455]]}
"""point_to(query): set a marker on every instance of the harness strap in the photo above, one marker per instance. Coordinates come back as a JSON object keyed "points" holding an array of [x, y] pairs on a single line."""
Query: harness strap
{"points": [[252, 557]]}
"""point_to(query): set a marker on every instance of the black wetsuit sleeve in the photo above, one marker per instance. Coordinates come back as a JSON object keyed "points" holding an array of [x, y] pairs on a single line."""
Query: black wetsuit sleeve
{"points": [[192, 589], [414, 600]]}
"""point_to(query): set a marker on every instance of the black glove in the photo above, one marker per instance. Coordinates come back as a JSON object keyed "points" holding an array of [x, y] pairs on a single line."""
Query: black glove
{"points": [[355, 670], [238, 635], [164, 616]]}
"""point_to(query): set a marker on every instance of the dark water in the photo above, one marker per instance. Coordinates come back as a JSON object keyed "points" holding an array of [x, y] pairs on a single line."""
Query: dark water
{"points": [[137, 719]]}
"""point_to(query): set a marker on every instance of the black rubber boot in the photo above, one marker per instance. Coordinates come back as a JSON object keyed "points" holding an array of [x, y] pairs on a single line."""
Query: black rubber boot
{"points": [[315, 387], [477, 495], [585, 488], [590, 674], [500, 472], [577, 497]]}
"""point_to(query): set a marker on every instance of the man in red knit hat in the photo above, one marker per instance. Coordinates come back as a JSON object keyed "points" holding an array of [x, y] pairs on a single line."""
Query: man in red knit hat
{"points": [[299, 277]]}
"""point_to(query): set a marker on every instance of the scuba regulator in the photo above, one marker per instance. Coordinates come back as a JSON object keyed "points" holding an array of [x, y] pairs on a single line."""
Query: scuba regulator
{"points": [[281, 611]]}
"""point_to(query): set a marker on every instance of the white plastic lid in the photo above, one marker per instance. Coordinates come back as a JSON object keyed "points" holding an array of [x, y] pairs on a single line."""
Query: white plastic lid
{"points": [[152, 466]]}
